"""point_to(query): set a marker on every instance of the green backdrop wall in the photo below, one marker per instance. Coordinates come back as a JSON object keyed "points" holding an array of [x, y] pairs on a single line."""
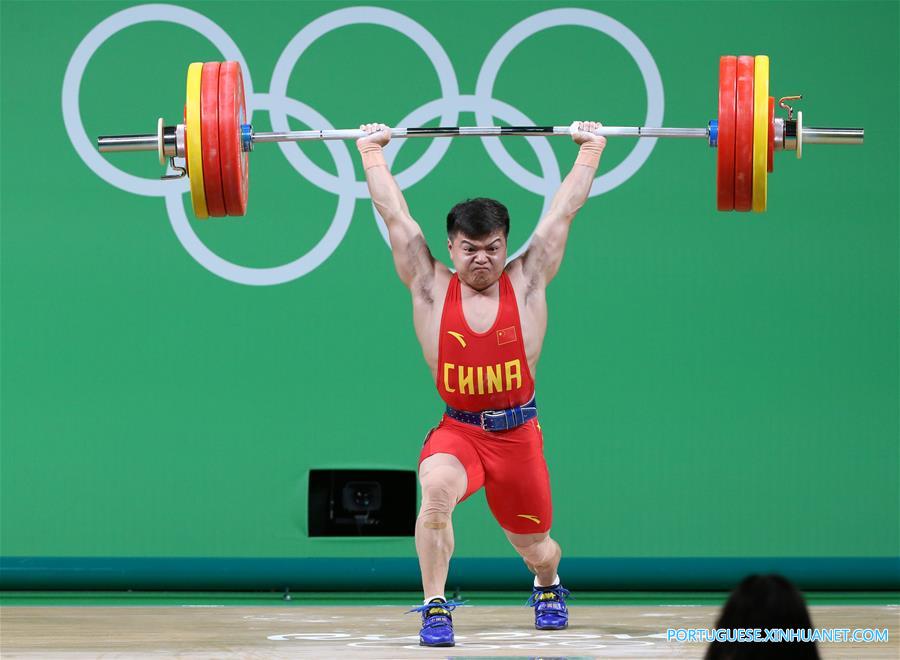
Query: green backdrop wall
{"points": [[719, 392]]}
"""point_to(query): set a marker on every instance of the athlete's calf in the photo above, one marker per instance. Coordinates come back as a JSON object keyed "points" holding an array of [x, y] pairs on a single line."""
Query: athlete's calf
{"points": [[540, 553]]}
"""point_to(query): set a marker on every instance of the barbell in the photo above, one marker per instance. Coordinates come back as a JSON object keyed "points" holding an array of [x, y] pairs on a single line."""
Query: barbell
{"points": [[215, 140]]}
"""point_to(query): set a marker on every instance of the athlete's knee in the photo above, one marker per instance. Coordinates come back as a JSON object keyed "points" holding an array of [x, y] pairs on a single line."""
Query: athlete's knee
{"points": [[437, 504], [440, 493], [539, 552]]}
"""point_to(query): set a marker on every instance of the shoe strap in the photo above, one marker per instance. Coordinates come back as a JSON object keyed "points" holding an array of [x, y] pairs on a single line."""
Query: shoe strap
{"points": [[546, 595], [449, 606]]}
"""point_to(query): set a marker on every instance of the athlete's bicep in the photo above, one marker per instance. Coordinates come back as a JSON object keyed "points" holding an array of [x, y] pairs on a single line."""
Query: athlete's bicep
{"points": [[412, 258], [526, 282], [542, 259], [426, 287]]}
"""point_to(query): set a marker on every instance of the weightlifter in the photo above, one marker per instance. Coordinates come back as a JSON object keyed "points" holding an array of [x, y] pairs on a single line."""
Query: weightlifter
{"points": [[481, 331]]}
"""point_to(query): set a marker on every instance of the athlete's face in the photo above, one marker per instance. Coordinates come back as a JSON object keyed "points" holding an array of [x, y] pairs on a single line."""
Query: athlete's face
{"points": [[480, 261]]}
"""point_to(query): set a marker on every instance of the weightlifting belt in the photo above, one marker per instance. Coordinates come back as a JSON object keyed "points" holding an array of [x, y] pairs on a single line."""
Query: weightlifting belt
{"points": [[496, 420]]}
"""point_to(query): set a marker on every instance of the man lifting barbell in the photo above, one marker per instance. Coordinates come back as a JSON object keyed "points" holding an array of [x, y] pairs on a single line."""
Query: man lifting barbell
{"points": [[484, 370], [481, 329], [481, 332]]}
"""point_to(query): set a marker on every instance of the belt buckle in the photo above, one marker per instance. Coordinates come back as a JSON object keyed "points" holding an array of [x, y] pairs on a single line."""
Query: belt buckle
{"points": [[481, 416]]}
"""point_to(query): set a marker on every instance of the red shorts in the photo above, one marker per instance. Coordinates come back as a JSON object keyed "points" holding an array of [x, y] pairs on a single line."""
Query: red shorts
{"points": [[509, 464]]}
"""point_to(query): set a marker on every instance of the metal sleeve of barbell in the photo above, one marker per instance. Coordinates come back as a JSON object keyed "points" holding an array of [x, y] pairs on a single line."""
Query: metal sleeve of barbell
{"points": [[479, 131], [813, 135], [128, 143]]}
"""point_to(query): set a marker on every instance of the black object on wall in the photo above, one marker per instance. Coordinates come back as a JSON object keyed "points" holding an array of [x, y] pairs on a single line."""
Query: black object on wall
{"points": [[362, 503]]}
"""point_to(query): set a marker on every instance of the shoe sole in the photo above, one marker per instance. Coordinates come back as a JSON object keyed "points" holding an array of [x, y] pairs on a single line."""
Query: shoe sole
{"points": [[551, 627], [443, 644]]}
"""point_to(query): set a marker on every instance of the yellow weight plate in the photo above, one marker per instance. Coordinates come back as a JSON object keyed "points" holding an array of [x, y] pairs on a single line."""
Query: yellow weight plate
{"points": [[194, 146], [760, 132]]}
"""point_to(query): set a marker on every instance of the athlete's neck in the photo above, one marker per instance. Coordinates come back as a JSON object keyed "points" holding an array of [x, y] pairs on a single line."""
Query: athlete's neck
{"points": [[490, 291]]}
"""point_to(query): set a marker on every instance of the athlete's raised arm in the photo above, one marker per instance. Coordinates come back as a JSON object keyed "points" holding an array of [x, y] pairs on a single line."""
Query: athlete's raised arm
{"points": [[541, 261], [412, 258]]}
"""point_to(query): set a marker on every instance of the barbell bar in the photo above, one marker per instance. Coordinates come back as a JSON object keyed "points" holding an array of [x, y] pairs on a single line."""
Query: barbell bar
{"points": [[215, 139]]}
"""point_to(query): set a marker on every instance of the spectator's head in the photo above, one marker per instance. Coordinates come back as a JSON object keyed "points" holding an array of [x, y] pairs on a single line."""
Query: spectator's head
{"points": [[764, 602]]}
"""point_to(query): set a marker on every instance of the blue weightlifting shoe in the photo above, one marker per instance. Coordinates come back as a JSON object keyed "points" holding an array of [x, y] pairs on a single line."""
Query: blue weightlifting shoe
{"points": [[550, 611], [437, 624]]}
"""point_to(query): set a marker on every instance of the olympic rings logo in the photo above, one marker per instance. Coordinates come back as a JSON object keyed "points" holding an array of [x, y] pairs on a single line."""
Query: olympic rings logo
{"points": [[345, 185]]}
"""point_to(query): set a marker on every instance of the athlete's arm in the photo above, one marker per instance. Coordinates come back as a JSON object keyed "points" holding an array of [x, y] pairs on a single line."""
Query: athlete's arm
{"points": [[413, 260], [541, 261]]}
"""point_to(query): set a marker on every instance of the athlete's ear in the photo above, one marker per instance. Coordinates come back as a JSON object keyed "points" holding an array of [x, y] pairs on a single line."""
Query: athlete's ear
{"points": [[449, 245]]}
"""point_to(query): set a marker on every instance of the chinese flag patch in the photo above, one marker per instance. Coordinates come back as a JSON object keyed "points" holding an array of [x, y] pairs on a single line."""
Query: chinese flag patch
{"points": [[506, 336]]}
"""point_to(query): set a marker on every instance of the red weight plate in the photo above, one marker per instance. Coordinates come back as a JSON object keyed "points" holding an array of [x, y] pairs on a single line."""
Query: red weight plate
{"points": [[209, 137], [771, 163], [743, 137], [233, 159], [725, 147]]}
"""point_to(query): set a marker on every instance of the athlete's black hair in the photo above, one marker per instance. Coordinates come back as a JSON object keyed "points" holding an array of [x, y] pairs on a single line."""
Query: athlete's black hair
{"points": [[477, 218]]}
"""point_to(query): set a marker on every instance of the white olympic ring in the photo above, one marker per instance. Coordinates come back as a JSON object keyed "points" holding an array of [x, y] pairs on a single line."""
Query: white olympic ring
{"points": [[345, 185], [484, 88]]}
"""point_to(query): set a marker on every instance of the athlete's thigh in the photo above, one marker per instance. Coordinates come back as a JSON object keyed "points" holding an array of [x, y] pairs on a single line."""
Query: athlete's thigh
{"points": [[517, 482], [446, 451], [444, 471]]}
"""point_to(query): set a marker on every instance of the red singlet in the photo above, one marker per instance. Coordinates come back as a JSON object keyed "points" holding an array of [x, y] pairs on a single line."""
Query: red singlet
{"points": [[489, 371], [483, 370]]}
